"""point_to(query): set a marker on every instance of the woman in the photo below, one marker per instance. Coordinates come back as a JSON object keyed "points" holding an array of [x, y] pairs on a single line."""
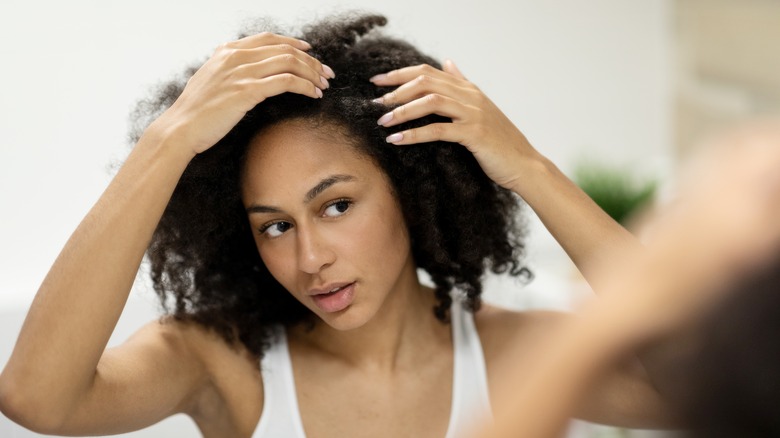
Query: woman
{"points": [[284, 227]]}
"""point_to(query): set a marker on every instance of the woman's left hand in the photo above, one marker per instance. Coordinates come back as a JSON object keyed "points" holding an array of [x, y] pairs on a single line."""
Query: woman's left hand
{"points": [[477, 123], [588, 235]]}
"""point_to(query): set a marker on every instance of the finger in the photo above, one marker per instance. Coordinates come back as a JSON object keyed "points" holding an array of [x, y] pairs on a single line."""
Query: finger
{"points": [[451, 68], [283, 83], [284, 63], [253, 55], [430, 104], [301, 55], [406, 74], [268, 38], [420, 86], [428, 133]]}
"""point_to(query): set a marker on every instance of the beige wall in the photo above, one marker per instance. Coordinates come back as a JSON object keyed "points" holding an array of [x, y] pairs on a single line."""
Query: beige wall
{"points": [[728, 64]]}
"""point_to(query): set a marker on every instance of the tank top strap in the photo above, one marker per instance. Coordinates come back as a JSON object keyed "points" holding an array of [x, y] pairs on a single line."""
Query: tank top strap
{"points": [[280, 417], [470, 396]]}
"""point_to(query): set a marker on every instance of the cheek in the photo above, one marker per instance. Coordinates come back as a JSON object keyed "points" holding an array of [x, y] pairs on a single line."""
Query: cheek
{"points": [[279, 263], [382, 237]]}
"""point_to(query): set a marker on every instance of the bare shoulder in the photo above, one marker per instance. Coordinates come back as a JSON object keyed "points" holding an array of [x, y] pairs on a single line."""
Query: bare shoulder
{"points": [[168, 367], [230, 394], [503, 330], [509, 339], [187, 341], [203, 343], [183, 339]]}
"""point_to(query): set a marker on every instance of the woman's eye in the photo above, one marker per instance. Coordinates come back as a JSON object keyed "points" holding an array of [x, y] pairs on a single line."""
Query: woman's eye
{"points": [[276, 229], [337, 208]]}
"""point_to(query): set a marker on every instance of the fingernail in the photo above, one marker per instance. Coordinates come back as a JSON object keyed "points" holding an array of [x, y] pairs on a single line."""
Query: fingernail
{"points": [[379, 100], [328, 71], [324, 82], [305, 44], [376, 78], [385, 118], [318, 91], [394, 138]]}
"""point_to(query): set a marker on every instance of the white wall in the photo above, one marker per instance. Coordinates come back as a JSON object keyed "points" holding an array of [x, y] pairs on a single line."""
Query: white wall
{"points": [[582, 79]]}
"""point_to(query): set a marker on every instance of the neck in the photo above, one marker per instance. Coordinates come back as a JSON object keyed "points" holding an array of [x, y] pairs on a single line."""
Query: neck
{"points": [[403, 327]]}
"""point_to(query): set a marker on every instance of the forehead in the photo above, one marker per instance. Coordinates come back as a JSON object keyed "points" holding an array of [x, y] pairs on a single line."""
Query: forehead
{"points": [[292, 156]]}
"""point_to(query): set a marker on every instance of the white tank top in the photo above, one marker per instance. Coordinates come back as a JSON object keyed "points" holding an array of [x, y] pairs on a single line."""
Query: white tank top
{"points": [[470, 400]]}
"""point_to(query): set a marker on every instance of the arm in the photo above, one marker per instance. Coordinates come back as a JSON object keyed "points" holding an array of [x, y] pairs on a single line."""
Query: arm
{"points": [[587, 234], [55, 360], [681, 278], [59, 376], [514, 343], [567, 370], [590, 237], [557, 381]]}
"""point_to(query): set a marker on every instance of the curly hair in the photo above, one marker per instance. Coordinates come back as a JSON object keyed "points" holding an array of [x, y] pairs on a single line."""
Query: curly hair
{"points": [[204, 264]]}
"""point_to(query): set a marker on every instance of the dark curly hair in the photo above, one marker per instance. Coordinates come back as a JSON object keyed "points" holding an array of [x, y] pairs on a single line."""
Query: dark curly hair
{"points": [[204, 263]]}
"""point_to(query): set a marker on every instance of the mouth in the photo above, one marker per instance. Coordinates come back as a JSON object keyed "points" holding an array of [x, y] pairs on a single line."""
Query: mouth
{"points": [[333, 298], [329, 288]]}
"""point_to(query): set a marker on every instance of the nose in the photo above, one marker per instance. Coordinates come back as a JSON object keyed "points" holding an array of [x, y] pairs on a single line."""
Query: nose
{"points": [[314, 253]]}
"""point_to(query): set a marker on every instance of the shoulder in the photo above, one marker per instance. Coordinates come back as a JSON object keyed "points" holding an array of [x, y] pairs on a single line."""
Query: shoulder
{"points": [[502, 330], [231, 384], [622, 396], [509, 340], [186, 340], [201, 342]]}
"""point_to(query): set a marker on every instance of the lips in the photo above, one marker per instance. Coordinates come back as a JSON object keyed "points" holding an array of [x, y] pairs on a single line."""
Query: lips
{"points": [[328, 288], [334, 297]]}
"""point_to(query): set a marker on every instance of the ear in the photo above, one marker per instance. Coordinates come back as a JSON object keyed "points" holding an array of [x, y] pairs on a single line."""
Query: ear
{"points": [[450, 68]]}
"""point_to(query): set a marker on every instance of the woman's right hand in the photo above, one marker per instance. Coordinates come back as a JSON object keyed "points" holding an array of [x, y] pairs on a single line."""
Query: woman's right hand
{"points": [[239, 75]]}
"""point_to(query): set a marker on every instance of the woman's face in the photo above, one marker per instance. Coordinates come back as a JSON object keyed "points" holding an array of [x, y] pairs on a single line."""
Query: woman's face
{"points": [[326, 222]]}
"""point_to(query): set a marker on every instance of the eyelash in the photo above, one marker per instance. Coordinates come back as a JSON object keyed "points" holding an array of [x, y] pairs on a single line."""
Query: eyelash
{"points": [[347, 201], [263, 229]]}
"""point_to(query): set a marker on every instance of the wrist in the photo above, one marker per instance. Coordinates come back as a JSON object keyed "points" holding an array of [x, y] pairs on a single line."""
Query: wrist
{"points": [[165, 140], [534, 173]]}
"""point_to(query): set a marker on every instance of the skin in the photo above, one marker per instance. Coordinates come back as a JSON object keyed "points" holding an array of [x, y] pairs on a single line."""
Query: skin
{"points": [[691, 257], [311, 243], [389, 345], [82, 296], [366, 358], [507, 158]]}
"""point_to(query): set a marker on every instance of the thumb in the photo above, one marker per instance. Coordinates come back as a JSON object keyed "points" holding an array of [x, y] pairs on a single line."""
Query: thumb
{"points": [[450, 68]]}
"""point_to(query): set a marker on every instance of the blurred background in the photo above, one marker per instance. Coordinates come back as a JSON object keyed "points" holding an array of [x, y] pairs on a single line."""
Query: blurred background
{"points": [[616, 92]]}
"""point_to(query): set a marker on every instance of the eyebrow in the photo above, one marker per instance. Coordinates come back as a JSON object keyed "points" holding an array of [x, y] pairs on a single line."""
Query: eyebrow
{"points": [[324, 184], [310, 195]]}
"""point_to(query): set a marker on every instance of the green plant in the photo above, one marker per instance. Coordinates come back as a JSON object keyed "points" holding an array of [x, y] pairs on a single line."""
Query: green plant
{"points": [[616, 191]]}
